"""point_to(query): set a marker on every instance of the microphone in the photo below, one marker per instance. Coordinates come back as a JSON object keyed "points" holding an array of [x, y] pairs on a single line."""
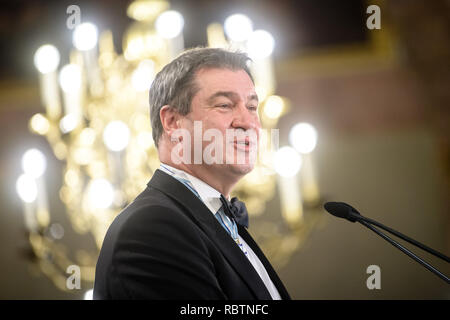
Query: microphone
{"points": [[346, 211], [342, 210]]}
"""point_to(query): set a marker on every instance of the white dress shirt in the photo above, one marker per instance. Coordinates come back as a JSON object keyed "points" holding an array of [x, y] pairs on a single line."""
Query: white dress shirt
{"points": [[211, 198]]}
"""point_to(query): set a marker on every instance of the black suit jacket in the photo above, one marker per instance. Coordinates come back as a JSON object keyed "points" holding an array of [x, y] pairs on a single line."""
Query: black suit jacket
{"points": [[167, 245]]}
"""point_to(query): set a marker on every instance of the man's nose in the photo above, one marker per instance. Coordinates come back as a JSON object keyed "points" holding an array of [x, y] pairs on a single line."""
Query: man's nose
{"points": [[245, 118]]}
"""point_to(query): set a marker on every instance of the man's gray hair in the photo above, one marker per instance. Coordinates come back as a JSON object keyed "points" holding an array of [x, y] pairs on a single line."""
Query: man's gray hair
{"points": [[175, 84]]}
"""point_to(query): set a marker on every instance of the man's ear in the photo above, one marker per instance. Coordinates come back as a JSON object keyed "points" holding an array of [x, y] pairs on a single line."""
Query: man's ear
{"points": [[169, 119]]}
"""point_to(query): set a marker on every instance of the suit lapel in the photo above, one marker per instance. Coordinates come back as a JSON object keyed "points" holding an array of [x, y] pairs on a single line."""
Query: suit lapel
{"points": [[272, 274], [208, 223]]}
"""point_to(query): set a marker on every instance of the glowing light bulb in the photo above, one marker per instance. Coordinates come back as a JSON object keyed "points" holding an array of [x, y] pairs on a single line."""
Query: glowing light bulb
{"points": [[116, 136], [26, 188], [260, 44], [238, 27], [85, 36], [70, 78], [39, 124], [68, 123], [169, 24], [100, 193], [303, 137], [273, 107], [46, 58], [34, 163], [287, 161]]}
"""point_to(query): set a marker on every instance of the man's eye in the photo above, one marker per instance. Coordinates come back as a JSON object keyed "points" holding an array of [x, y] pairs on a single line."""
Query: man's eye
{"points": [[253, 108], [223, 105]]}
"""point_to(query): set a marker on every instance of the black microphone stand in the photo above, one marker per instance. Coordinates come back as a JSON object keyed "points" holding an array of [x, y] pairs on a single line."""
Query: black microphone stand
{"points": [[402, 236], [367, 224], [343, 210]]}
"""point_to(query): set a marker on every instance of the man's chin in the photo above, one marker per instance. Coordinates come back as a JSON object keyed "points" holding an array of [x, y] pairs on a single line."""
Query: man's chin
{"points": [[241, 169]]}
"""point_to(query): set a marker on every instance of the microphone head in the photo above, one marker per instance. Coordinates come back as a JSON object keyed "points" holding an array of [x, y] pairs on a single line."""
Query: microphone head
{"points": [[342, 210]]}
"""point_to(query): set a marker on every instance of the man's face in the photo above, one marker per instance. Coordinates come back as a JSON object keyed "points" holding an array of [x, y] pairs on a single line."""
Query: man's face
{"points": [[224, 111]]}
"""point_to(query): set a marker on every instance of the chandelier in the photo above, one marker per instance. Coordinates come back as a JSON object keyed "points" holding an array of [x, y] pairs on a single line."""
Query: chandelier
{"points": [[96, 122]]}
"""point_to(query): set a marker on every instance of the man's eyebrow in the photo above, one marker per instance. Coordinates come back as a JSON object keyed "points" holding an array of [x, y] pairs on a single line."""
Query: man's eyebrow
{"points": [[227, 94], [253, 96], [231, 95]]}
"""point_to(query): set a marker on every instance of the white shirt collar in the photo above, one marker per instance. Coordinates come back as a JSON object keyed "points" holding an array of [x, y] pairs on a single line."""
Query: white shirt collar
{"points": [[209, 195]]}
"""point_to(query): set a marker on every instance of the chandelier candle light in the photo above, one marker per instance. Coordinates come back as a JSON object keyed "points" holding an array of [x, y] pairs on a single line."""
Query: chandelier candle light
{"points": [[287, 163], [303, 137], [32, 190], [169, 25], [85, 38], [46, 60]]}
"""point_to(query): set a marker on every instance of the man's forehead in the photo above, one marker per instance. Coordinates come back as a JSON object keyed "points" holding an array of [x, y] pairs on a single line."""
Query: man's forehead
{"points": [[222, 74], [216, 81]]}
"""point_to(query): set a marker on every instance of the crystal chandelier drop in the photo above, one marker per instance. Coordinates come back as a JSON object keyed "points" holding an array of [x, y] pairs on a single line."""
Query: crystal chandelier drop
{"points": [[96, 121]]}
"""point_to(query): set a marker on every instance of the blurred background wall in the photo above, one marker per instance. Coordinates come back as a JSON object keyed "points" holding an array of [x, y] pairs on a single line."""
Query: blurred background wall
{"points": [[379, 100]]}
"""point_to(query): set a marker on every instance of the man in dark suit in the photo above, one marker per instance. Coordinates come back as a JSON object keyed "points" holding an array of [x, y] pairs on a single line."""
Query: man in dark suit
{"points": [[182, 237]]}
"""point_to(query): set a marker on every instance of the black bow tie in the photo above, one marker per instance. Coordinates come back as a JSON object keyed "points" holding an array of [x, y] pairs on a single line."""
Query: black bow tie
{"points": [[236, 210]]}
